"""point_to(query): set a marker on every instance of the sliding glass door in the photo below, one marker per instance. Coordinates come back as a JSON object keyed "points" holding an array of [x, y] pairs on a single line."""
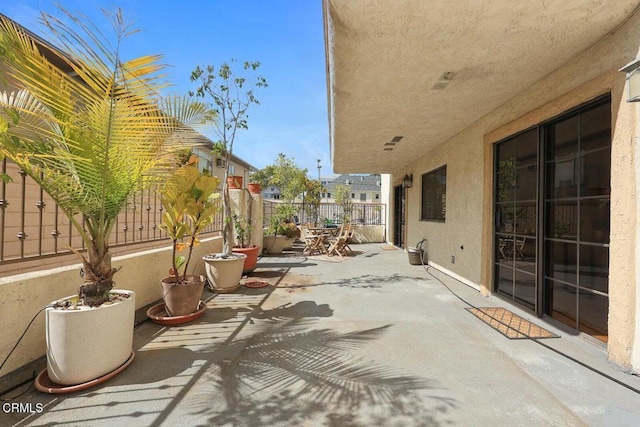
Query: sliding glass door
{"points": [[577, 210], [551, 218], [516, 218]]}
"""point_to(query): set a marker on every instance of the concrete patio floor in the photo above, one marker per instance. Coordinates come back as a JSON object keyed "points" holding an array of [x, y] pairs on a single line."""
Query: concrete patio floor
{"points": [[367, 341]]}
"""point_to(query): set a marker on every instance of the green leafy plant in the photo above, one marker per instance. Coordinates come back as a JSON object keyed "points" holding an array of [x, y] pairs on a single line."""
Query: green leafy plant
{"points": [[289, 229], [189, 200], [89, 127], [231, 93], [288, 177], [343, 198], [243, 229], [280, 222], [262, 176], [313, 198]]}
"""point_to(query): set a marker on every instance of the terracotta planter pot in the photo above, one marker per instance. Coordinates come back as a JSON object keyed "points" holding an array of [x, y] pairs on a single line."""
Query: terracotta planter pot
{"points": [[234, 182], [252, 257], [89, 342], [224, 274], [182, 299], [274, 244], [254, 188]]}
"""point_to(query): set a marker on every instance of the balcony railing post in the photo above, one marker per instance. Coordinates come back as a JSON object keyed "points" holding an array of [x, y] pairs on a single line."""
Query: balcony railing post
{"points": [[141, 225], [148, 208], [40, 205], [55, 233], [21, 234], [3, 205]]}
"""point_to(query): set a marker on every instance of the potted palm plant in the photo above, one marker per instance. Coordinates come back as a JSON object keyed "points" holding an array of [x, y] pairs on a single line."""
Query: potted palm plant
{"points": [[189, 201], [231, 93], [90, 128]]}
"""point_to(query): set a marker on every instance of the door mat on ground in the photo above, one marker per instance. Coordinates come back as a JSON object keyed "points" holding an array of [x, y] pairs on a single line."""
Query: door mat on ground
{"points": [[388, 248], [510, 324]]}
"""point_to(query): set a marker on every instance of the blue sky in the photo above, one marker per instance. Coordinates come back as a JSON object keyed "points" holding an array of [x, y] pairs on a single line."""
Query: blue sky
{"points": [[286, 36]]}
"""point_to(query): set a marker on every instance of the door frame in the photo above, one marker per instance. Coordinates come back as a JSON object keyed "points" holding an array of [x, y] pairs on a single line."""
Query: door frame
{"points": [[399, 215]]}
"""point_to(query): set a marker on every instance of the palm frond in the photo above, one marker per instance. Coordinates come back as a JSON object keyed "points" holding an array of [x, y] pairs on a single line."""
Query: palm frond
{"points": [[92, 128]]}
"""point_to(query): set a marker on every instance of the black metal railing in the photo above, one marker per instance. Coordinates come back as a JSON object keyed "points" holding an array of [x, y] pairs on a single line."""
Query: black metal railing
{"points": [[32, 225], [331, 213]]}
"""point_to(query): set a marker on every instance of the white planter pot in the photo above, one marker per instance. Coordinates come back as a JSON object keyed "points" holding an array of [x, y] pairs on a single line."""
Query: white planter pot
{"points": [[274, 244], [288, 244], [90, 342], [224, 274]]}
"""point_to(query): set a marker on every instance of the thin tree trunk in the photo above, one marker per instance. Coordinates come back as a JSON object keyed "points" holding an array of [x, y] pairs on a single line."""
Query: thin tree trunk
{"points": [[227, 218]]}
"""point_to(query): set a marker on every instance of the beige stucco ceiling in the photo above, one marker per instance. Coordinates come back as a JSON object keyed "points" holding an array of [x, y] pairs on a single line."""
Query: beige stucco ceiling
{"points": [[385, 56]]}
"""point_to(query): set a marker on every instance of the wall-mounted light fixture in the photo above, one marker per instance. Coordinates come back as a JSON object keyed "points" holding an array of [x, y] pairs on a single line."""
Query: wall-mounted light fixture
{"points": [[632, 69], [407, 181]]}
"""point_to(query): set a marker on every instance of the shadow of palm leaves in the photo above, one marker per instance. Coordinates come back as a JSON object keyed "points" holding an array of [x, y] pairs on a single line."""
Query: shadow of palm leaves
{"points": [[361, 282], [289, 362]]}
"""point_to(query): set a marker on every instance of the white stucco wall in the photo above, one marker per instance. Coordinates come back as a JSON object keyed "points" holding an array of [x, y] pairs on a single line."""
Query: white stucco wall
{"points": [[467, 232]]}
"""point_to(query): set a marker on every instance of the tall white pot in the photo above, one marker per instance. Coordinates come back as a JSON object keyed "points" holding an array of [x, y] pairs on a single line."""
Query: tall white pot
{"points": [[88, 343], [274, 245], [224, 274]]}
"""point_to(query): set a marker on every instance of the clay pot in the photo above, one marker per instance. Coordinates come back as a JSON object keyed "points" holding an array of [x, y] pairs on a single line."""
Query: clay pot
{"points": [[182, 299], [252, 257], [234, 182], [254, 188]]}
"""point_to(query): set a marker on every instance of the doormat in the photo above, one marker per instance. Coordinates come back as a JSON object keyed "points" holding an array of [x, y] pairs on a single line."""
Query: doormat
{"points": [[388, 248], [510, 324]]}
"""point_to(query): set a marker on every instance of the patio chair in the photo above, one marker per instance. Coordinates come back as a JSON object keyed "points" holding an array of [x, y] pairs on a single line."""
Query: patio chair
{"points": [[519, 246], [349, 238], [339, 244], [312, 242]]}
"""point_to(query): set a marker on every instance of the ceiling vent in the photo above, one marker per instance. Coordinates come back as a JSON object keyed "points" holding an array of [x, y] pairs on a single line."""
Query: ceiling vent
{"points": [[396, 139], [447, 76], [444, 80]]}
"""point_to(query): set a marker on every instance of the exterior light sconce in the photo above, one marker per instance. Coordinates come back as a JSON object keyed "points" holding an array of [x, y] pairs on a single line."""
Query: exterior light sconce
{"points": [[632, 69], [407, 181]]}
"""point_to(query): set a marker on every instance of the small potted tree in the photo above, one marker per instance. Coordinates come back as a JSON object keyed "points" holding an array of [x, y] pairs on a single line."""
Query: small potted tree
{"points": [[274, 238], [244, 227], [91, 132], [189, 202], [231, 94], [281, 231]]}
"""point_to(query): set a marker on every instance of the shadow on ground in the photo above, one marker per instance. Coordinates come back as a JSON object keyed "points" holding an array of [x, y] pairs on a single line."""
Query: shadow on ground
{"points": [[366, 281], [243, 365], [290, 372]]}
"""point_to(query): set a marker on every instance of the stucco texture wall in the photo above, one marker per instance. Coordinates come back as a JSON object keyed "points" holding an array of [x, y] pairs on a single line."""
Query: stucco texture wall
{"points": [[469, 160], [460, 234], [23, 295]]}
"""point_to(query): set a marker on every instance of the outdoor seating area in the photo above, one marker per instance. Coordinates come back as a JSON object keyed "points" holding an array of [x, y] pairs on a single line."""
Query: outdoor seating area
{"points": [[218, 235], [328, 241]]}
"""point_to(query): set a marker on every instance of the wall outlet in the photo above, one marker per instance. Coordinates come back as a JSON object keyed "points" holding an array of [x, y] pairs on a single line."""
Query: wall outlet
{"points": [[453, 259]]}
